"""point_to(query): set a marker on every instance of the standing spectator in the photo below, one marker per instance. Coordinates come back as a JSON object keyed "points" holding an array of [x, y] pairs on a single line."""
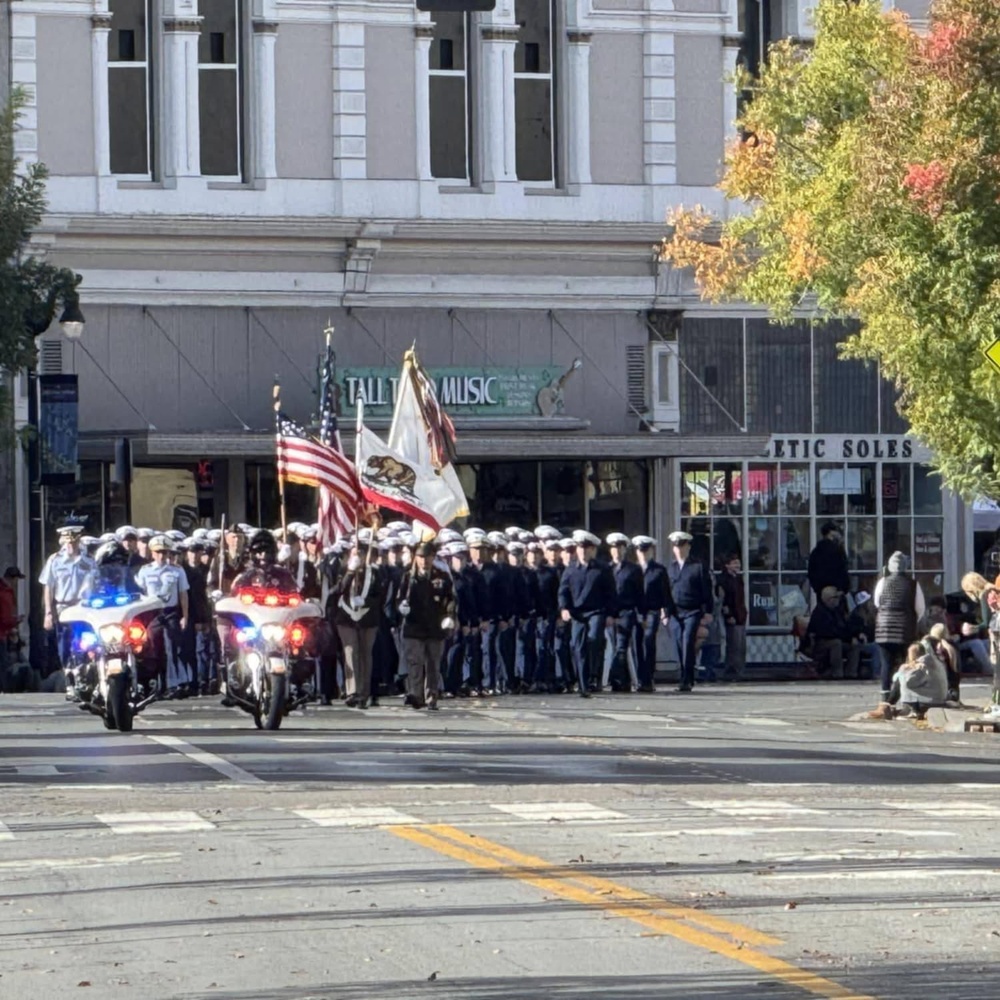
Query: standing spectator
{"points": [[734, 614], [900, 603], [9, 620], [991, 559], [828, 562]]}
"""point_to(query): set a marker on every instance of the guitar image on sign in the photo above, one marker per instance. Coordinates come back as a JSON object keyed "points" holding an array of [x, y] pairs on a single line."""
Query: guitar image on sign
{"points": [[550, 398]]}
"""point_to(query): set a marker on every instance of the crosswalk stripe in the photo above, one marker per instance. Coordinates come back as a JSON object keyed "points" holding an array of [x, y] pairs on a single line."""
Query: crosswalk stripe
{"points": [[947, 809], [564, 811], [357, 816], [154, 822], [5, 833], [754, 807]]}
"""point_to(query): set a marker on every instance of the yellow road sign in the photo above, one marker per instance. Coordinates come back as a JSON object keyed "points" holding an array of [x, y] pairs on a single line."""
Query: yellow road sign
{"points": [[993, 354]]}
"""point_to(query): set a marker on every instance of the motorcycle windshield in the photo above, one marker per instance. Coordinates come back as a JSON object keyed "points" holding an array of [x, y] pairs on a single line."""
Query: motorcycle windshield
{"points": [[113, 586]]}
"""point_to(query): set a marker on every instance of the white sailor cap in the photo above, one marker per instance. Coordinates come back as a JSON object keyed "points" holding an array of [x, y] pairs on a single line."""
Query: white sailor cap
{"points": [[109, 536], [175, 535], [512, 532], [215, 535], [393, 542], [409, 539], [71, 529], [618, 538], [382, 534], [581, 537], [566, 544], [396, 527], [497, 539], [525, 536], [517, 548], [364, 537], [643, 542], [87, 540], [534, 546], [200, 533], [554, 543], [145, 534], [126, 531], [447, 535], [680, 537], [309, 533], [545, 532], [247, 529], [454, 549], [473, 533], [384, 545]]}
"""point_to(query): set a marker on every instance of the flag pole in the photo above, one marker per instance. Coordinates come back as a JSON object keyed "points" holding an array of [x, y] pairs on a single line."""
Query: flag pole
{"points": [[277, 446]]}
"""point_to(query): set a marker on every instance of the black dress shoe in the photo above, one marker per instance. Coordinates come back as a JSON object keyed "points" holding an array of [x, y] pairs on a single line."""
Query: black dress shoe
{"points": [[646, 689], [684, 688], [584, 693], [351, 702]]}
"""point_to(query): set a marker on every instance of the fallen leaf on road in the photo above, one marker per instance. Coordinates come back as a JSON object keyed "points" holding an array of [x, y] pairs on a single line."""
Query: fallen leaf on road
{"points": [[432, 977], [214, 902], [791, 906], [83, 982]]}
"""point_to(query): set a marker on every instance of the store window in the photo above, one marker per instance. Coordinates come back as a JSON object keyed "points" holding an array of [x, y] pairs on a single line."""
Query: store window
{"points": [[618, 492], [93, 496], [506, 493], [263, 499]]}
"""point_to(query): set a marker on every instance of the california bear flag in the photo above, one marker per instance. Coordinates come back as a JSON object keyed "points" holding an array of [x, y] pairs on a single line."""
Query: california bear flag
{"points": [[413, 473]]}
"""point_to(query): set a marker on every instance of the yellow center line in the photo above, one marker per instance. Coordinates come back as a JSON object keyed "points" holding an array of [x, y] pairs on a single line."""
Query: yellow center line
{"points": [[617, 900], [609, 889]]}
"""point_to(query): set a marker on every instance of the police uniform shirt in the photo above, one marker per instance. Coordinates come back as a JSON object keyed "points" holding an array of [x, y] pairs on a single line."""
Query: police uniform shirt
{"points": [[691, 586], [588, 589], [165, 582], [68, 577], [628, 586], [656, 588]]}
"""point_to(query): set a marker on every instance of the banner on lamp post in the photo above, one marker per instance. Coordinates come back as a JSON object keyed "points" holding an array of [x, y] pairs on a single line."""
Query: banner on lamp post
{"points": [[58, 426]]}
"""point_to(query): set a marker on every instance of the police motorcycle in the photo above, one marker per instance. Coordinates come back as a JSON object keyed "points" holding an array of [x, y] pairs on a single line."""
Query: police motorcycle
{"points": [[109, 675], [273, 639]]}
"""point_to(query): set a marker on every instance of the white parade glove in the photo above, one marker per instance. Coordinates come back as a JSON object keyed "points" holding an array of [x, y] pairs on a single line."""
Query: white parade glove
{"points": [[448, 624], [404, 608], [354, 563], [284, 551], [357, 601]]}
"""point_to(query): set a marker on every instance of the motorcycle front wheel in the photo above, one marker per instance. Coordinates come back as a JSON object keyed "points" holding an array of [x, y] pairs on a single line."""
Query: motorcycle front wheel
{"points": [[271, 709], [119, 708]]}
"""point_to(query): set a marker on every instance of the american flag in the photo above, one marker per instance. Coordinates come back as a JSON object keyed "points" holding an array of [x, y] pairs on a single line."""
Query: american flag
{"points": [[302, 459], [336, 518]]}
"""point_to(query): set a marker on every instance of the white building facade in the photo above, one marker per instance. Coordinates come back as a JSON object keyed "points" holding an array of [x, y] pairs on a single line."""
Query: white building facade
{"points": [[231, 175]]}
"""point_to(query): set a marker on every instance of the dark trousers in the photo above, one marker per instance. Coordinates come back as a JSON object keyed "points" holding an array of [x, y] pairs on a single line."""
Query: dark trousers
{"points": [[458, 651], [588, 649], [893, 655], [684, 629], [526, 652], [627, 640], [545, 671], [563, 648], [506, 651], [649, 624], [490, 655]]}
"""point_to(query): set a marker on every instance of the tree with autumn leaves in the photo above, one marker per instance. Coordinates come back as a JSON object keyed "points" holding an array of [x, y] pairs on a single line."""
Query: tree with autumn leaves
{"points": [[867, 177]]}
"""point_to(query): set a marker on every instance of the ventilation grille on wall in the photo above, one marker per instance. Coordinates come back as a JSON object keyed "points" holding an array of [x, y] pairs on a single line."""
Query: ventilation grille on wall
{"points": [[52, 357], [635, 374]]}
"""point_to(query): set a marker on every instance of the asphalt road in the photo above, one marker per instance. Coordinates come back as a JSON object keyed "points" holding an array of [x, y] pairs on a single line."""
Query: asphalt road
{"points": [[737, 843]]}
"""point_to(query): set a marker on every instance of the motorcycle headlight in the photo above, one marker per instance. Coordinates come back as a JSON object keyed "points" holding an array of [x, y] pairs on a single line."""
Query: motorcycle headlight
{"points": [[112, 634], [254, 660], [273, 633]]}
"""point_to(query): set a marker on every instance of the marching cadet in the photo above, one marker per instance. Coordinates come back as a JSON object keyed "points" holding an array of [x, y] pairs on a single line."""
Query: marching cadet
{"points": [[296, 561], [525, 604], [360, 596], [143, 537], [168, 583], [499, 655], [479, 558], [587, 602], [547, 575], [564, 641], [129, 538], [657, 603], [197, 644], [692, 592], [463, 646], [65, 579], [427, 604], [629, 594], [232, 557], [387, 643]]}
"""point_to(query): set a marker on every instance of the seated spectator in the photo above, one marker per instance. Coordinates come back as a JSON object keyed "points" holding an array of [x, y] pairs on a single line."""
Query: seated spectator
{"points": [[940, 641], [829, 638], [861, 623], [920, 683], [975, 619], [937, 612]]}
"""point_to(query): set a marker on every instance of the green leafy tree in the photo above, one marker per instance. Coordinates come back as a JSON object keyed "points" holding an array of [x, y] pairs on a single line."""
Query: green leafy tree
{"points": [[868, 176]]}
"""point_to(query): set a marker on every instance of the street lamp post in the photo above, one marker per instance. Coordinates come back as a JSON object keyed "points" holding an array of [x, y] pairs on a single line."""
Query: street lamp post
{"points": [[38, 321]]}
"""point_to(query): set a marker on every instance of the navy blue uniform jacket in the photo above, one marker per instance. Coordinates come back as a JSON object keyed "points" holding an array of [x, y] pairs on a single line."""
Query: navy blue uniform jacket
{"points": [[628, 586], [588, 589], [691, 587]]}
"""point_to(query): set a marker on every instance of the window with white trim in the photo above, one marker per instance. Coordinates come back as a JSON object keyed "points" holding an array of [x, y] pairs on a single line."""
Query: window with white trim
{"points": [[220, 88], [130, 47], [450, 98], [534, 91], [665, 386]]}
